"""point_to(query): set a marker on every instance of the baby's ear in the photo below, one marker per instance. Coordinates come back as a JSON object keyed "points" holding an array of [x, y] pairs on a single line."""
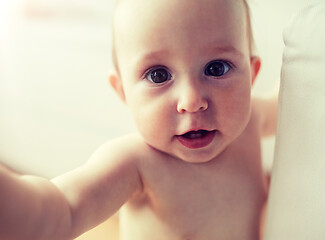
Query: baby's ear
{"points": [[255, 67], [116, 83]]}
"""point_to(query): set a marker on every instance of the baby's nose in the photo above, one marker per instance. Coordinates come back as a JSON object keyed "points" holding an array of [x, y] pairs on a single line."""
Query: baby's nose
{"points": [[191, 98]]}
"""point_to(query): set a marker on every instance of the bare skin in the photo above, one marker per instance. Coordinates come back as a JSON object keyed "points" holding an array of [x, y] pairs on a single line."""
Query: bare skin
{"points": [[193, 171], [220, 199]]}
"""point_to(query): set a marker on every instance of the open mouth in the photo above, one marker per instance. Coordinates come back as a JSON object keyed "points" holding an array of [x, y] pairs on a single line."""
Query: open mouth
{"points": [[195, 134], [196, 139]]}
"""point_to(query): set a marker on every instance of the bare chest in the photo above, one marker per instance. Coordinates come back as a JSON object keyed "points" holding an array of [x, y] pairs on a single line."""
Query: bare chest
{"points": [[219, 200]]}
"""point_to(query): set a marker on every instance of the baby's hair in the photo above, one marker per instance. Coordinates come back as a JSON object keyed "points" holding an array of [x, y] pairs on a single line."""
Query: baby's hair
{"points": [[249, 35]]}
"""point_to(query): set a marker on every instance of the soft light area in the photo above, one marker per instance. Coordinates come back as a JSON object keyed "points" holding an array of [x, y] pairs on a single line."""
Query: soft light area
{"points": [[56, 106]]}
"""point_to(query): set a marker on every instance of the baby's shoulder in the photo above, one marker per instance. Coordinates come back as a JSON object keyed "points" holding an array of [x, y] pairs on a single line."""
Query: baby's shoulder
{"points": [[128, 148]]}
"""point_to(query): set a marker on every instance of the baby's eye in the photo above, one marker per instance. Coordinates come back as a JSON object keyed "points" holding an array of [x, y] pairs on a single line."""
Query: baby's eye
{"points": [[159, 75], [217, 68]]}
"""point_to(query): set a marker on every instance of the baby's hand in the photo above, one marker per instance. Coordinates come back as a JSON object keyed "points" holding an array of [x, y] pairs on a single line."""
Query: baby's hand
{"points": [[266, 109], [33, 199]]}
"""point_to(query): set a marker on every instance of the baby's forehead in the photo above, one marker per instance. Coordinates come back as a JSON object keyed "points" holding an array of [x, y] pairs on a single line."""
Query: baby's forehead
{"points": [[175, 9], [135, 17]]}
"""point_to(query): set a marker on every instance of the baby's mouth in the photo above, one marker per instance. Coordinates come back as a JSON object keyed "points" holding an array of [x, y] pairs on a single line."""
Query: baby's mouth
{"points": [[196, 139], [195, 134]]}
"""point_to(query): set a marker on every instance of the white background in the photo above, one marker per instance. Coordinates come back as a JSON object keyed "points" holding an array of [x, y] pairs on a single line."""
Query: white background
{"points": [[56, 106]]}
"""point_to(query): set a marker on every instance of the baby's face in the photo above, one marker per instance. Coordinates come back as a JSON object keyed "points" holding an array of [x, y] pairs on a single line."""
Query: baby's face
{"points": [[185, 68]]}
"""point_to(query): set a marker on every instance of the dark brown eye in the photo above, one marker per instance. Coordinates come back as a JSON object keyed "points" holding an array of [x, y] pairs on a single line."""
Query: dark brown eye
{"points": [[158, 75], [217, 68]]}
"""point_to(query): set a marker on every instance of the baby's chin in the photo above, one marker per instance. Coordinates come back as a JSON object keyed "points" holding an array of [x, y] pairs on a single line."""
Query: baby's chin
{"points": [[208, 153], [200, 157], [213, 146]]}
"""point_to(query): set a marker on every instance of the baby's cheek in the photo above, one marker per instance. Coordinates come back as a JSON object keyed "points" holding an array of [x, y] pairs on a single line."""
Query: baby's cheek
{"points": [[236, 111], [152, 119]]}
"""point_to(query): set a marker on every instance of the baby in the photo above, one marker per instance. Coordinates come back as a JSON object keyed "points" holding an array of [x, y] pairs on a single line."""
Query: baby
{"points": [[193, 171]]}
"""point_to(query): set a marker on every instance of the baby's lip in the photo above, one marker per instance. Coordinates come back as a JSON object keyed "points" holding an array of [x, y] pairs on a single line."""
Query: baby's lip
{"points": [[195, 131], [196, 139], [195, 134]]}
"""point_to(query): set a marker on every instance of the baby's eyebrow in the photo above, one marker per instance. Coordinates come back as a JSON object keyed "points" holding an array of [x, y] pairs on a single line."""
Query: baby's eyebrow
{"points": [[151, 56], [158, 55], [225, 49]]}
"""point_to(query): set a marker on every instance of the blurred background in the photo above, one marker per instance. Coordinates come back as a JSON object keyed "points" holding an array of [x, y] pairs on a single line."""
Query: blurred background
{"points": [[56, 106]]}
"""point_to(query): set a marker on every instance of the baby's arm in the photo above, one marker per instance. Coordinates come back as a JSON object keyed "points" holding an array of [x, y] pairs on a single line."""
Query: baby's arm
{"points": [[99, 188], [35, 208], [31, 207]]}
